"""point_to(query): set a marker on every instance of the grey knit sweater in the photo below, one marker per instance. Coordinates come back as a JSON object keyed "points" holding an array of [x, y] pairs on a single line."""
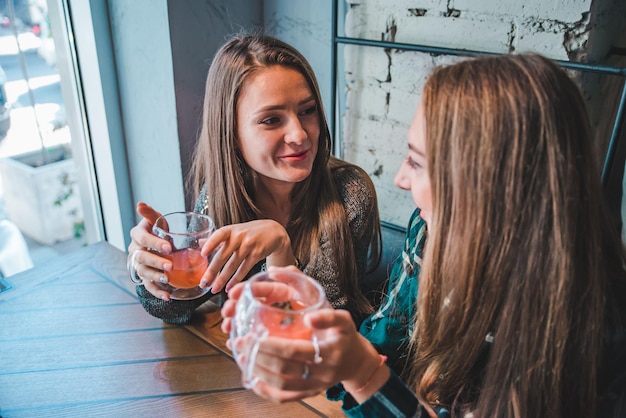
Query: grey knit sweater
{"points": [[358, 199]]}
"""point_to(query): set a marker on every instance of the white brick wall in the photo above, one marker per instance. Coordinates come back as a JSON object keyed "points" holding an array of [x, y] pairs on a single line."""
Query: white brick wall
{"points": [[383, 87]]}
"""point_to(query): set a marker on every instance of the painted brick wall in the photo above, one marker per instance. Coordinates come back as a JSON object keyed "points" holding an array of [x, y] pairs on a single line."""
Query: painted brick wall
{"points": [[382, 87]]}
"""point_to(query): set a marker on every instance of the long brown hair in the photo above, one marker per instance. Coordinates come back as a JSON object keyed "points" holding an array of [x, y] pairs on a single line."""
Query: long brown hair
{"points": [[317, 209], [520, 249]]}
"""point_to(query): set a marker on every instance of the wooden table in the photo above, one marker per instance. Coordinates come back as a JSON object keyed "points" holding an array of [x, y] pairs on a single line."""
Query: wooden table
{"points": [[74, 341]]}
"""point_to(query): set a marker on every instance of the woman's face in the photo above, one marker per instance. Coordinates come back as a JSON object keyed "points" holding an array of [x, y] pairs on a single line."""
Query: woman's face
{"points": [[413, 173], [278, 125]]}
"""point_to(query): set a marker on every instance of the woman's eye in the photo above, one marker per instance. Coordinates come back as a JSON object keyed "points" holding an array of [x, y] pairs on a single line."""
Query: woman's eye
{"points": [[412, 163], [309, 111], [270, 121]]}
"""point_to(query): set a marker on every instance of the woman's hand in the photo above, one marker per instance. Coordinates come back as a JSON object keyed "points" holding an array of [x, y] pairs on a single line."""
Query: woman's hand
{"points": [[149, 266], [286, 368], [239, 247], [280, 363]]}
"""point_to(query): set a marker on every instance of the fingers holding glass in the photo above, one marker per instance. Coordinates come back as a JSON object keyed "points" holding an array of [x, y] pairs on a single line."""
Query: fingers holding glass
{"points": [[272, 304], [147, 266], [239, 247], [227, 268], [280, 370]]}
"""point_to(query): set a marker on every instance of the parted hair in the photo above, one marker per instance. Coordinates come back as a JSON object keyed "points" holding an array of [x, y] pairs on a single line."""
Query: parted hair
{"points": [[520, 251], [317, 209]]}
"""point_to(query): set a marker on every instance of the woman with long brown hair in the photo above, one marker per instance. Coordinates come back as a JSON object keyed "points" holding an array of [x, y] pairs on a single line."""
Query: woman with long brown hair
{"points": [[263, 171], [522, 296]]}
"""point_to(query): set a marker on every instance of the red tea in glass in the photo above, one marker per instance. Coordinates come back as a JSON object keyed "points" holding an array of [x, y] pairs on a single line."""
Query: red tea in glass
{"points": [[280, 324], [188, 267], [186, 232]]}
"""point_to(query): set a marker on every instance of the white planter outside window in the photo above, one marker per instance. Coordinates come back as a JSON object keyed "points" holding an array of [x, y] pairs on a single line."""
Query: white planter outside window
{"points": [[42, 199]]}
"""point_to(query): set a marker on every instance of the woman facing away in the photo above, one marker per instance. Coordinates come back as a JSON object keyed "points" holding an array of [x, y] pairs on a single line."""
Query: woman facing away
{"points": [[263, 171], [522, 302]]}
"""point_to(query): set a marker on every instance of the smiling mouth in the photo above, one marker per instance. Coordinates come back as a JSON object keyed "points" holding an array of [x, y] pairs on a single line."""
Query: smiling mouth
{"points": [[297, 156]]}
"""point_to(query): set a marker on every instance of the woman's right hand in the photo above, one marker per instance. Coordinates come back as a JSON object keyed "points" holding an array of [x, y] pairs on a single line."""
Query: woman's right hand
{"points": [[150, 267], [238, 247]]}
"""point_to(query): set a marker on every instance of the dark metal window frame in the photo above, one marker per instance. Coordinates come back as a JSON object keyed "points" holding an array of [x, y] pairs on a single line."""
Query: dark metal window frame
{"points": [[618, 124]]}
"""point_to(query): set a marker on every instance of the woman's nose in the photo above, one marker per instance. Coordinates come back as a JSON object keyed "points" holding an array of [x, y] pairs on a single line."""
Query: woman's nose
{"points": [[401, 180], [295, 132]]}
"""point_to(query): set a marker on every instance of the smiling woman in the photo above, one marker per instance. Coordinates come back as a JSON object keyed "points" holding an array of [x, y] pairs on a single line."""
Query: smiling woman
{"points": [[278, 131], [263, 171]]}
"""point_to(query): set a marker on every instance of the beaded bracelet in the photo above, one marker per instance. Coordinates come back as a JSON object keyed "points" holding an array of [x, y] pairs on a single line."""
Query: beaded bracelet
{"points": [[383, 358]]}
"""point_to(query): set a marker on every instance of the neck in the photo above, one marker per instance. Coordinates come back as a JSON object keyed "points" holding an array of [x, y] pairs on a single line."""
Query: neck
{"points": [[273, 199]]}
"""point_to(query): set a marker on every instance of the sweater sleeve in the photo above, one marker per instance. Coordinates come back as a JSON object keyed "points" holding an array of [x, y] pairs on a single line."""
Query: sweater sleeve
{"points": [[173, 311], [359, 201]]}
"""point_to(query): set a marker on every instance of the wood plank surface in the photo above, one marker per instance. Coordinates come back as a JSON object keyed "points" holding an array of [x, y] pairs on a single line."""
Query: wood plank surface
{"points": [[75, 342], [235, 404], [139, 380], [121, 347]]}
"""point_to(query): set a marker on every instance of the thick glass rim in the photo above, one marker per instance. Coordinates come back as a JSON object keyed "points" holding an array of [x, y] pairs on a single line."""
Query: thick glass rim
{"points": [[158, 230], [266, 276]]}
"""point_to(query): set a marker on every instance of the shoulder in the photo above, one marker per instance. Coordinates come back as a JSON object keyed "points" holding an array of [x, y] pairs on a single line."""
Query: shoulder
{"points": [[352, 182], [357, 194]]}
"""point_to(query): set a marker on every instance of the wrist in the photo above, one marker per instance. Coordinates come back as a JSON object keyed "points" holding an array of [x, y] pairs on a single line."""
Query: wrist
{"points": [[269, 261], [283, 257], [365, 382]]}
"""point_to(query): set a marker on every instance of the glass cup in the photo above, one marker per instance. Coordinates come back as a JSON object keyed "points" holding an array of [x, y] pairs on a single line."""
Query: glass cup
{"points": [[187, 233], [272, 304]]}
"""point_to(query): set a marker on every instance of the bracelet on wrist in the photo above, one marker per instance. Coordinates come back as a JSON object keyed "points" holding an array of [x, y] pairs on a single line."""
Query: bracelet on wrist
{"points": [[383, 358]]}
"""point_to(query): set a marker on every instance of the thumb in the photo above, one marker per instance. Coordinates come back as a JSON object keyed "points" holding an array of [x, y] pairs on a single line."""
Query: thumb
{"points": [[330, 318], [146, 211]]}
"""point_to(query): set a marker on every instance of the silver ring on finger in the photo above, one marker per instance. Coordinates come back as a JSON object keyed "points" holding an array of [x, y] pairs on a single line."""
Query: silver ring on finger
{"points": [[132, 272], [306, 374], [317, 358]]}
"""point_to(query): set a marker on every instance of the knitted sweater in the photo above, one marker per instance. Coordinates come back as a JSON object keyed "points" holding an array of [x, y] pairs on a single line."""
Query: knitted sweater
{"points": [[359, 200]]}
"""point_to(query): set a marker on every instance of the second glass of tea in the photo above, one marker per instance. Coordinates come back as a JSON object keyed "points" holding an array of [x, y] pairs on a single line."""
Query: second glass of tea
{"points": [[186, 233], [273, 304]]}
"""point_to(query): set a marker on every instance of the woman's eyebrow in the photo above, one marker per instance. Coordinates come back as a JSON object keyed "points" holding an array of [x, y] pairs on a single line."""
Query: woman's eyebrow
{"points": [[415, 150], [282, 106], [308, 99]]}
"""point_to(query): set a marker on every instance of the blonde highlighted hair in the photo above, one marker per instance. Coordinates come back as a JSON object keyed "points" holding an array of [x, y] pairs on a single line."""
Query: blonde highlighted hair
{"points": [[520, 248]]}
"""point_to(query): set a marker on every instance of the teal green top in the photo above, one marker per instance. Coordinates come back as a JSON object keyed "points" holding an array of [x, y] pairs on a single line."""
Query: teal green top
{"points": [[390, 328]]}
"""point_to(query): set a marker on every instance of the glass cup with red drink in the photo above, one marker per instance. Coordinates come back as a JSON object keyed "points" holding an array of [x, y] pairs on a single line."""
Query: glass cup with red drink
{"points": [[187, 233], [272, 304]]}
